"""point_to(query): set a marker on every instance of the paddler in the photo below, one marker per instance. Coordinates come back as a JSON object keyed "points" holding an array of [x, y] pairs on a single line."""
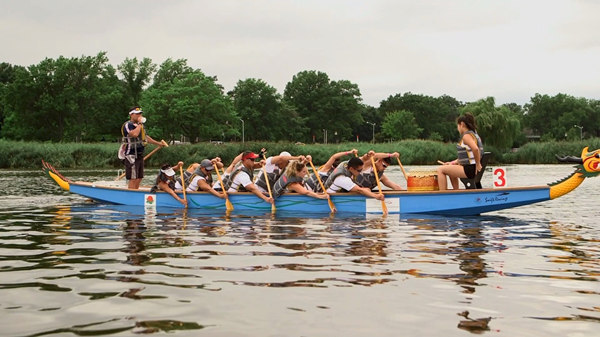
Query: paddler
{"points": [[274, 166], [292, 180], [198, 177], [241, 178], [366, 178], [312, 183], [165, 181], [342, 179]]}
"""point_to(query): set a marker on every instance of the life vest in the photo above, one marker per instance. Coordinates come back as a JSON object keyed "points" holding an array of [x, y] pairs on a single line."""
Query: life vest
{"points": [[273, 176], [133, 145], [341, 169], [228, 180], [188, 177], [313, 183], [367, 179], [465, 153], [169, 180], [282, 183]]}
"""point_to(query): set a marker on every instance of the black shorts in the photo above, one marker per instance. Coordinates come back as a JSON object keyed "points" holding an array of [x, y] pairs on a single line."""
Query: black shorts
{"points": [[470, 170], [135, 170]]}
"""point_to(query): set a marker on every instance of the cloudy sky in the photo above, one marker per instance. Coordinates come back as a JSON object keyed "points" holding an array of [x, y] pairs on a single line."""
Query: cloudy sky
{"points": [[468, 49]]}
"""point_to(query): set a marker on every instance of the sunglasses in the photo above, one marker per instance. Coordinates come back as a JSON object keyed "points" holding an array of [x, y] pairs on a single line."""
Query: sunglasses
{"points": [[384, 165]]}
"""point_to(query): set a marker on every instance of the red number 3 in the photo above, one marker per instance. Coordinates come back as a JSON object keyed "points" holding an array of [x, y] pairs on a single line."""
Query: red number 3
{"points": [[499, 177]]}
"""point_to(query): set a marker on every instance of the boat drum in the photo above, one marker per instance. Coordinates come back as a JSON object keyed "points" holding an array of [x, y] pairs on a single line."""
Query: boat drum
{"points": [[422, 181]]}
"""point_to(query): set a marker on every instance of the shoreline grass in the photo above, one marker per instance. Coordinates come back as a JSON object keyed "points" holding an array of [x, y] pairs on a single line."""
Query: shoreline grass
{"points": [[28, 155]]}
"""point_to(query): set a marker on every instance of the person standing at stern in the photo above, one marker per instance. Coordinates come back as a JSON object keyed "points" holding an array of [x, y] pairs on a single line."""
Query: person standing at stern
{"points": [[133, 142]]}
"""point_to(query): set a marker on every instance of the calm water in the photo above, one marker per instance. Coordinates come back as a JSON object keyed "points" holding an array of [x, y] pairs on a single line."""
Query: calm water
{"points": [[70, 267]]}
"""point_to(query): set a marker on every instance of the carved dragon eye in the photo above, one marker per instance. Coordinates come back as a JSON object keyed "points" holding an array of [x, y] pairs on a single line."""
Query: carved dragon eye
{"points": [[597, 155]]}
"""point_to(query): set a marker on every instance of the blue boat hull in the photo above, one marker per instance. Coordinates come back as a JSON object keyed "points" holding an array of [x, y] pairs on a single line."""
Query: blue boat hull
{"points": [[460, 202]]}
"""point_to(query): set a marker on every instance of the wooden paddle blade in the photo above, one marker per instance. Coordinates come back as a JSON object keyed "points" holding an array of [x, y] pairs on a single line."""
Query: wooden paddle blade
{"points": [[383, 205], [402, 168], [183, 184], [331, 206], [228, 205]]}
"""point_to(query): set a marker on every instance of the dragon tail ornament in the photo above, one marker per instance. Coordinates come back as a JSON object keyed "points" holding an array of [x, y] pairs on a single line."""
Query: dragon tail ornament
{"points": [[588, 165]]}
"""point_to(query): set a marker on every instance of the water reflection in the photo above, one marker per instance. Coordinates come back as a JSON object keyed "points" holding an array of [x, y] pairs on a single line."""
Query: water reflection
{"points": [[150, 273]]}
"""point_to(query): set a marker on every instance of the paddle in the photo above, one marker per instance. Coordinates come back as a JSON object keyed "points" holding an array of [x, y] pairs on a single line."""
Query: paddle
{"points": [[383, 206], [182, 184], [331, 205], [402, 167], [273, 208], [163, 144], [228, 204]]}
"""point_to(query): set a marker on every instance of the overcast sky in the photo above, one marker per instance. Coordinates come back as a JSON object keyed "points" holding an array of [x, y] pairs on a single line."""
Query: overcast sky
{"points": [[468, 49]]}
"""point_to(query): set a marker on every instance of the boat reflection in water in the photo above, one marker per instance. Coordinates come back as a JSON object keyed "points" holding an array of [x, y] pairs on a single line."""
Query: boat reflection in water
{"points": [[177, 251]]}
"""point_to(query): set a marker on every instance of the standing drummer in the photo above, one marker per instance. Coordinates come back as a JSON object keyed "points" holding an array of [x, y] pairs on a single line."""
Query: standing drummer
{"points": [[133, 142], [366, 178]]}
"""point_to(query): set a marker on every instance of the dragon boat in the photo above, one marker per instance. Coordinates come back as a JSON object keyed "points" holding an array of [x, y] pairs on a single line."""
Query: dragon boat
{"points": [[461, 202]]}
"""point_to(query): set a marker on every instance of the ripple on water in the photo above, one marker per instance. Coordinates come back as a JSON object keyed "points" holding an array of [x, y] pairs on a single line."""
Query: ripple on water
{"points": [[70, 267]]}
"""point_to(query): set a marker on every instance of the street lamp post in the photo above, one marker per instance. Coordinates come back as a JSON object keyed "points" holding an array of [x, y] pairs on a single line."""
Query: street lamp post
{"points": [[580, 131], [373, 136], [243, 136]]}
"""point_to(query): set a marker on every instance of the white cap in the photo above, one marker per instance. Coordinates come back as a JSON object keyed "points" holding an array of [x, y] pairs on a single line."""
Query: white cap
{"points": [[169, 172], [136, 110], [285, 153]]}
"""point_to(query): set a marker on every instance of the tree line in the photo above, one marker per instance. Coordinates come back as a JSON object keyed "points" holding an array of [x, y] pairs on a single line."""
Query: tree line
{"points": [[86, 99]]}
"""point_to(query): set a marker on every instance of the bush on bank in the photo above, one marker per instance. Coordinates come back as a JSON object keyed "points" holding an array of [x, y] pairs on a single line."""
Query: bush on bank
{"points": [[28, 155]]}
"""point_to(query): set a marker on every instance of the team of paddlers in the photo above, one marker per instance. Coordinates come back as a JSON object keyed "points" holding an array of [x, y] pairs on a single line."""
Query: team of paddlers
{"points": [[343, 172]]}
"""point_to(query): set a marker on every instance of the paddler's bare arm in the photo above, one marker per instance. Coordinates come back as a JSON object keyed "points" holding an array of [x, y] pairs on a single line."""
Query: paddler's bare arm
{"points": [[252, 188], [367, 193]]}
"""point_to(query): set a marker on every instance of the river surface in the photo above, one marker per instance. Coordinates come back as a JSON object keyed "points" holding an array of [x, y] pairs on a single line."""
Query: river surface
{"points": [[70, 267]]}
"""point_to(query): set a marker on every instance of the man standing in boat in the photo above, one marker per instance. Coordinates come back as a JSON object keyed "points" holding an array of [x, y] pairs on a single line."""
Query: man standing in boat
{"points": [[132, 149], [342, 179]]}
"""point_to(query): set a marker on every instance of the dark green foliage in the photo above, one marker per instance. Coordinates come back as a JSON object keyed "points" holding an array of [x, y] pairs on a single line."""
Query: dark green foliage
{"points": [[17, 154], [401, 125], [497, 126], [554, 118], [86, 99], [432, 115], [324, 104]]}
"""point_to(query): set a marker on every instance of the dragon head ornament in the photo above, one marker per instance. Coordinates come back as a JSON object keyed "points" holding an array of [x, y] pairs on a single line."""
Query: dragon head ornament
{"points": [[588, 164]]}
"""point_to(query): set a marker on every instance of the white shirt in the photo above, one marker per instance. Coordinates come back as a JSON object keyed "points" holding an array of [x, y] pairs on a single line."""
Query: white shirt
{"points": [[192, 187], [341, 182], [269, 167], [241, 178]]}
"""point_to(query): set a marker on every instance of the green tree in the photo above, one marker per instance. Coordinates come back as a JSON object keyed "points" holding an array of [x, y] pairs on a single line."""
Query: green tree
{"points": [[170, 70], [497, 126], [400, 125], [264, 114], [325, 104], [192, 105], [435, 116], [7, 76], [553, 117], [63, 99], [136, 75], [366, 129]]}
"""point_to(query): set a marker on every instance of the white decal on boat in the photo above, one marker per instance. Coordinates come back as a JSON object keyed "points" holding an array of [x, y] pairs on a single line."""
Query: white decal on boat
{"points": [[150, 202], [374, 205]]}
